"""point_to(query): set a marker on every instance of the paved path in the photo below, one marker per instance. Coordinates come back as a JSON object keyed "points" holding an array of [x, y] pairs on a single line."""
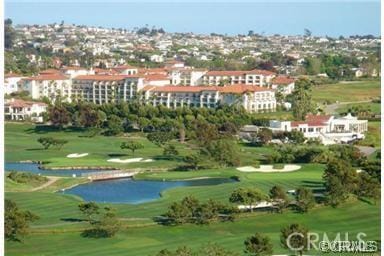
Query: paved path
{"points": [[367, 151], [50, 181], [331, 108]]}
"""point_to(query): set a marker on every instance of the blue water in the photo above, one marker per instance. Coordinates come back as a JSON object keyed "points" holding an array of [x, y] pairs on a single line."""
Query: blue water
{"points": [[116, 191], [34, 168], [133, 191]]}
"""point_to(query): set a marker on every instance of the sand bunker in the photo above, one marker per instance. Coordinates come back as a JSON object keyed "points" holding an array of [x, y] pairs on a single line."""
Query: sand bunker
{"points": [[76, 155], [269, 168], [130, 160]]}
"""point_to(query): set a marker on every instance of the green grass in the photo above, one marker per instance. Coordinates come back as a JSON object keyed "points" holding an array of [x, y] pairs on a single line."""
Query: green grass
{"points": [[373, 136], [52, 234], [21, 144], [346, 92], [374, 107]]}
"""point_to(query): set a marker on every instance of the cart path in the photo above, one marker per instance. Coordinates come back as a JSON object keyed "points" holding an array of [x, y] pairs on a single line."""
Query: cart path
{"points": [[51, 180]]}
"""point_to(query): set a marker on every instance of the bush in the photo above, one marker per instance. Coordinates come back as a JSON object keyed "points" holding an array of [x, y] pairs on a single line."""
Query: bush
{"points": [[278, 166], [25, 177]]}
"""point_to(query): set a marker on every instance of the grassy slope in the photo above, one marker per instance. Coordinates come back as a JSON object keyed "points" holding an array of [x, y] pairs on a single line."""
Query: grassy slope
{"points": [[346, 92]]}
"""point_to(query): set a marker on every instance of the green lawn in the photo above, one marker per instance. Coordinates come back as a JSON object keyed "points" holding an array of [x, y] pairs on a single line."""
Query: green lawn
{"points": [[346, 92], [21, 145], [373, 136], [374, 107], [54, 234]]}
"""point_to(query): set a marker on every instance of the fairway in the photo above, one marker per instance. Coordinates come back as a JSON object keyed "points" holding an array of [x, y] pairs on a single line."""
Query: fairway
{"points": [[144, 237], [346, 92]]}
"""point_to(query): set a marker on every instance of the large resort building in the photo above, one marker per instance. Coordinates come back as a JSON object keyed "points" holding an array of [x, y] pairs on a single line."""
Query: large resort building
{"points": [[172, 86]]}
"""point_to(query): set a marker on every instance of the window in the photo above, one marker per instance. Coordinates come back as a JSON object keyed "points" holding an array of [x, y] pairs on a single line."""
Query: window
{"points": [[310, 129]]}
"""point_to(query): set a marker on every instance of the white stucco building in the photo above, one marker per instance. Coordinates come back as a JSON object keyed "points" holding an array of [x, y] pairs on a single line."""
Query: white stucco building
{"points": [[328, 129], [12, 83], [20, 110]]}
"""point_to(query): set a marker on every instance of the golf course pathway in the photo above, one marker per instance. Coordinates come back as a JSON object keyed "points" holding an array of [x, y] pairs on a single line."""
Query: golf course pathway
{"points": [[50, 181]]}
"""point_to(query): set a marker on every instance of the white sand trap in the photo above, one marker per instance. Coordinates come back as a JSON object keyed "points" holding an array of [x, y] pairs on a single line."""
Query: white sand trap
{"points": [[130, 160], [269, 168], [76, 155]]}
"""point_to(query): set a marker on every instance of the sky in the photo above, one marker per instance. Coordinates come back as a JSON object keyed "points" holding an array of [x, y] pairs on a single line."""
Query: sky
{"points": [[286, 17]]}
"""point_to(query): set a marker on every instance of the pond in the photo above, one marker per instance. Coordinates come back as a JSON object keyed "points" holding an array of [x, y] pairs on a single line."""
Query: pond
{"points": [[125, 190], [134, 191]]}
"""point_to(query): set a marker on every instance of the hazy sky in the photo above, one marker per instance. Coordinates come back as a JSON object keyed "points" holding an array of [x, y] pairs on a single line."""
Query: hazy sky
{"points": [[322, 17]]}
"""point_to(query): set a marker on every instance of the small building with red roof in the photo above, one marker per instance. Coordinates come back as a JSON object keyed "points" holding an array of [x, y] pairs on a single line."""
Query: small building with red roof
{"points": [[21, 110]]}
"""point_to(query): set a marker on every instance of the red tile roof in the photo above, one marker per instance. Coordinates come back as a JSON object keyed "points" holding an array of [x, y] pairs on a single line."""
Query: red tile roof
{"points": [[17, 103], [240, 72], [313, 120], [9, 75], [72, 68], [242, 88], [49, 76], [225, 73], [236, 89], [49, 71], [104, 77], [283, 80], [156, 77], [123, 67]]}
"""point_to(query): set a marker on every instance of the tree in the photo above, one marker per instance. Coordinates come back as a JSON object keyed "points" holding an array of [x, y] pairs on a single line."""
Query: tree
{"points": [[247, 196], [90, 210], [258, 245], [193, 160], [262, 137], [223, 151], [340, 180], [45, 141], [9, 34], [89, 117], [49, 141], [132, 145], [304, 199], [16, 221], [307, 32], [160, 138], [278, 195], [301, 99], [295, 238], [368, 187], [108, 225], [58, 115], [114, 125], [170, 151]]}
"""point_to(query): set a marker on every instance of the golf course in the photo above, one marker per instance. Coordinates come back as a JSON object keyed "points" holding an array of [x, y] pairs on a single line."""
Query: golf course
{"points": [[60, 224]]}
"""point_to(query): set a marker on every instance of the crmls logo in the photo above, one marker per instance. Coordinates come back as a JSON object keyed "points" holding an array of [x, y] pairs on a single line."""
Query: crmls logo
{"points": [[325, 244]]}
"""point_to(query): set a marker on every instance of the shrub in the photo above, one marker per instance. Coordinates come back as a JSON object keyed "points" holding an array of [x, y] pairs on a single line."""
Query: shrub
{"points": [[278, 166]]}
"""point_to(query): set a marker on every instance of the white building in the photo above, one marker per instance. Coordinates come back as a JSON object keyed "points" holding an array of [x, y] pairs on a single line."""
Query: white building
{"points": [[48, 85], [257, 77], [101, 89], [252, 98], [20, 110], [283, 84], [11, 83], [328, 129]]}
